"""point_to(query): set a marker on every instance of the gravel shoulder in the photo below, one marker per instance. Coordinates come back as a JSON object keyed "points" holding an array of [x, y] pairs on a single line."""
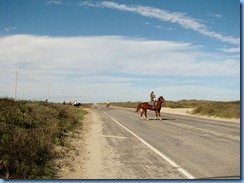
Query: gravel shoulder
{"points": [[85, 160], [73, 161]]}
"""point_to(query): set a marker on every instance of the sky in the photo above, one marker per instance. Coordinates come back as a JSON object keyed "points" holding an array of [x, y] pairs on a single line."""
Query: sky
{"points": [[120, 50]]}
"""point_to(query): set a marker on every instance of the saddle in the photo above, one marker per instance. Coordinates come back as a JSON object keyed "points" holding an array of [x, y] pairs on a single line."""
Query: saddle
{"points": [[151, 103]]}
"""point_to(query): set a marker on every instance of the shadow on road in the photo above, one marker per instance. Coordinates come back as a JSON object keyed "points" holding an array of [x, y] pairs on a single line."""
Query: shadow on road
{"points": [[160, 119]]}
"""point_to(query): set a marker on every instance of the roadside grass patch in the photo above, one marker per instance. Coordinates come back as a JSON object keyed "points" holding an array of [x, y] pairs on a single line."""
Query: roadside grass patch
{"points": [[219, 109], [29, 132]]}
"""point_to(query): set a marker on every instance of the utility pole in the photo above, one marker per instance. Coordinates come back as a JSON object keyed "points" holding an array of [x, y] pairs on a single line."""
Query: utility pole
{"points": [[62, 95], [47, 92], [15, 86]]}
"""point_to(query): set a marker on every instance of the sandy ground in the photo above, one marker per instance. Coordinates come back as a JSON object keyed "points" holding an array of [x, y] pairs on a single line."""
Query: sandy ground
{"points": [[187, 111], [73, 164], [83, 159]]}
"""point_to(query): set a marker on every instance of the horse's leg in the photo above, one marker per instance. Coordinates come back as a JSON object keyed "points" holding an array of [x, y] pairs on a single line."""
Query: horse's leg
{"points": [[156, 112], [146, 113], [159, 115], [142, 111]]}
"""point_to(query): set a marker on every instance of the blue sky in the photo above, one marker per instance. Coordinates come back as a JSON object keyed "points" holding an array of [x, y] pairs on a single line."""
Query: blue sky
{"points": [[93, 51]]}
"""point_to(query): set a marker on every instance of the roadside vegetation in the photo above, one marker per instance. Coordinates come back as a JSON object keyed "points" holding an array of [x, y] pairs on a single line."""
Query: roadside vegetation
{"points": [[29, 132], [203, 107]]}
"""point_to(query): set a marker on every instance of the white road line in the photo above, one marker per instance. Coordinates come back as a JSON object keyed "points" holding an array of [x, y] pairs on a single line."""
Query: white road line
{"points": [[113, 136], [175, 165]]}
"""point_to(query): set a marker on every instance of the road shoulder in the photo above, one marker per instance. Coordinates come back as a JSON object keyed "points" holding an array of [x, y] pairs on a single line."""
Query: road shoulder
{"points": [[73, 162]]}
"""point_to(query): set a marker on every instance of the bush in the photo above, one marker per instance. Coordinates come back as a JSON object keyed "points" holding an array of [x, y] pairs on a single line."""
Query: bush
{"points": [[28, 133], [219, 109]]}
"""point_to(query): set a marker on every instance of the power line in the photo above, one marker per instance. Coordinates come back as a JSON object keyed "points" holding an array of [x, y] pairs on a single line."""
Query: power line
{"points": [[24, 82]]}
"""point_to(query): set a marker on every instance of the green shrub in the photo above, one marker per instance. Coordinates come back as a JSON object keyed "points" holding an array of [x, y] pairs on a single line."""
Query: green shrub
{"points": [[219, 109], [28, 134]]}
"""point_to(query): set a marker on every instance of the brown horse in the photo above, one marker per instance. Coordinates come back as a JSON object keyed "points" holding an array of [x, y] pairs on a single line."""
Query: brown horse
{"points": [[145, 105]]}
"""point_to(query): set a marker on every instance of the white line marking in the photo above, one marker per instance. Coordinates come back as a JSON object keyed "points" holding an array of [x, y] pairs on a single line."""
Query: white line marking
{"points": [[175, 165], [112, 136]]}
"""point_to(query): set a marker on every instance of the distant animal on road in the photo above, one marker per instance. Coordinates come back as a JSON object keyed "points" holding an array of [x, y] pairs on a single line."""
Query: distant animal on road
{"points": [[73, 104], [77, 104]]}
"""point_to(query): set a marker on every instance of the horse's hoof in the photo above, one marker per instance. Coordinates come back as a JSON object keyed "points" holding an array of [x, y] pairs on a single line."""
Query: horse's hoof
{"points": [[160, 118], [147, 119]]}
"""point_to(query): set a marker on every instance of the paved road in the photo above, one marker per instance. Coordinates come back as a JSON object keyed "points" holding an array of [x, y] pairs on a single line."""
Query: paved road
{"points": [[176, 147]]}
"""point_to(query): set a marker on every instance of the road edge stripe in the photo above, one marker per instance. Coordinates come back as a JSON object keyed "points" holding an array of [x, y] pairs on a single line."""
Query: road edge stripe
{"points": [[171, 162]]}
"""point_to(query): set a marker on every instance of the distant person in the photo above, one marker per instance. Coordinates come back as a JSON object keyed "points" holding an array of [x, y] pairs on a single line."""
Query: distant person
{"points": [[107, 104], [152, 97]]}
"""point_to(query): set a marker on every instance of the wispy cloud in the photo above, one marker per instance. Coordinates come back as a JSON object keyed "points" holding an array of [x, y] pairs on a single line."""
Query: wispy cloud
{"points": [[214, 15], [167, 16], [203, 92], [8, 29], [55, 2], [231, 50], [159, 26]]}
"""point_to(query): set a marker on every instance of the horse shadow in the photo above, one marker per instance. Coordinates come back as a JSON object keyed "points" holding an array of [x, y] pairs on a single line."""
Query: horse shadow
{"points": [[161, 119]]}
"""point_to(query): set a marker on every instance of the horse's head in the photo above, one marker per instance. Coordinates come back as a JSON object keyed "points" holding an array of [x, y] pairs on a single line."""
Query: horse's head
{"points": [[161, 98]]}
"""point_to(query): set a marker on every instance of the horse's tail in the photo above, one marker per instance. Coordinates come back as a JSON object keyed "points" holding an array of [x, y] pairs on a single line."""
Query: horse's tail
{"points": [[138, 107]]}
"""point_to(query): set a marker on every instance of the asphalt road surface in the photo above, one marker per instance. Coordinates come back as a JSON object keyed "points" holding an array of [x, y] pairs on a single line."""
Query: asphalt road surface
{"points": [[177, 147]]}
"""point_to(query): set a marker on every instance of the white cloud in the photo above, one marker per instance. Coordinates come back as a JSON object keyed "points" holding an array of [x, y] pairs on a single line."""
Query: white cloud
{"points": [[55, 2], [121, 54], [159, 26], [214, 15], [147, 23], [8, 29], [200, 92], [174, 17], [103, 65], [231, 50]]}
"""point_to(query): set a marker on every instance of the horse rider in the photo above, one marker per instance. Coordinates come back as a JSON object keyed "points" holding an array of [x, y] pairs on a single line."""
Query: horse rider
{"points": [[152, 97], [107, 104]]}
